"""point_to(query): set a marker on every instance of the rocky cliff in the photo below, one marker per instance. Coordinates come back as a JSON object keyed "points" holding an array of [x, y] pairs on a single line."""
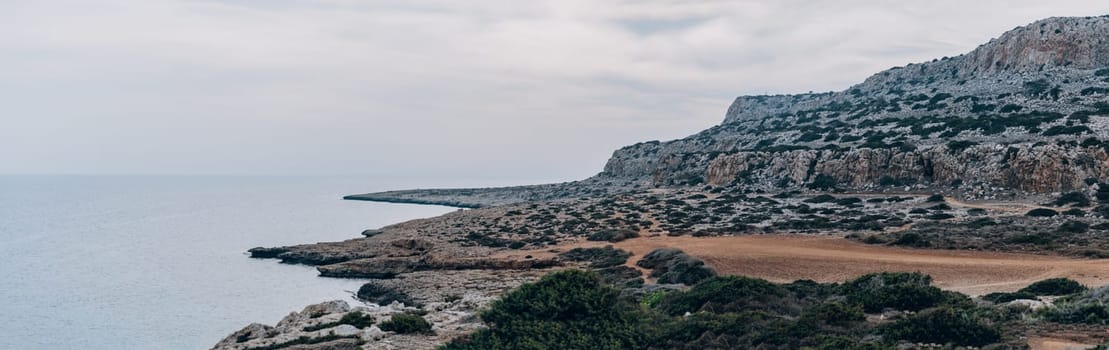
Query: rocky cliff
{"points": [[1026, 111]]}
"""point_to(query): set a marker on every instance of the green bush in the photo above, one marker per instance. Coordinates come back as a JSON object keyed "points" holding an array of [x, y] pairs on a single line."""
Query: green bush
{"points": [[943, 326], [356, 319], [379, 294], [823, 182], [574, 310], [833, 314], [612, 235], [1075, 212], [1002, 297], [824, 198], [896, 290], [1072, 197], [1030, 239], [406, 324], [1074, 227], [939, 216], [598, 258], [563, 310], [912, 239], [1042, 212], [848, 201], [1054, 286], [729, 293], [670, 265], [1083, 310]]}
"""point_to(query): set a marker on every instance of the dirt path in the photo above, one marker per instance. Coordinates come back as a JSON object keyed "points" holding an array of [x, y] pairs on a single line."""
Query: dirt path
{"points": [[785, 258], [1040, 343], [1012, 207]]}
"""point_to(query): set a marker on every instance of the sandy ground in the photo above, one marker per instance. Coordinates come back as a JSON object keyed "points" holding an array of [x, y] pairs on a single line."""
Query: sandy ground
{"points": [[785, 258], [1039, 343]]}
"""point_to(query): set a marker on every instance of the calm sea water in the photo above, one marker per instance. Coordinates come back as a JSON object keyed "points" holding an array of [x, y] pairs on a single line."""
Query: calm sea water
{"points": [[157, 262]]}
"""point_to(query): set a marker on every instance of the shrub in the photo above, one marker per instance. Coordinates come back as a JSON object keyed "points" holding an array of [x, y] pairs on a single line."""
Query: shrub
{"points": [[959, 146], [824, 198], [356, 319], [687, 271], [943, 326], [1002, 297], [823, 182], [812, 136], [406, 324], [612, 235], [1029, 239], [934, 198], [723, 294], [674, 266], [833, 314], [1074, 227], [1088, 313], [1075, 212], [897, 290], [564, 310], [598, 258], [887, 180], [848, 201], [1054, 286], [383, 295], [941, 207], [939, 216], [1066, 130], [1042, 212], [1010, 108], [911, 239]]}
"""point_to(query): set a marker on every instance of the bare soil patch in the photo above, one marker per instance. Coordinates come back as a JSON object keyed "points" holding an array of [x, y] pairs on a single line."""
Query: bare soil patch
{"points": [[785, 258]]}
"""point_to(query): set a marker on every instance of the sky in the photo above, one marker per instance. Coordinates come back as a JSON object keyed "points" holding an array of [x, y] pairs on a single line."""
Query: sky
{"points": [[541, 90]]}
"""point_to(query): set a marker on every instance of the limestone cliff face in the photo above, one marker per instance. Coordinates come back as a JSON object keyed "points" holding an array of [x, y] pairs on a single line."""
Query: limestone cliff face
{"points": [[1026, 111], [1024, 167], [1081, 43]]}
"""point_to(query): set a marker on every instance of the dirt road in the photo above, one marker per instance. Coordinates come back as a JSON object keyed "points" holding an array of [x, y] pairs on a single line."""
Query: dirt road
{"points": [[1012, 207]]}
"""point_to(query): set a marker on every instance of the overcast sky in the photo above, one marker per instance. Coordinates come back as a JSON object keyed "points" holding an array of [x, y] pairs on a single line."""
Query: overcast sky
{"points": [[537, 89]]}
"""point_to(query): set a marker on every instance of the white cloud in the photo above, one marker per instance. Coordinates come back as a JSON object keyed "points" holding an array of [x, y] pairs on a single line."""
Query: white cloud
{"points": [[539, 89]]}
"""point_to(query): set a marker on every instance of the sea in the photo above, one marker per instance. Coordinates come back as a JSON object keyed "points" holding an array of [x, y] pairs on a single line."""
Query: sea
{"points": [[159, 262]]}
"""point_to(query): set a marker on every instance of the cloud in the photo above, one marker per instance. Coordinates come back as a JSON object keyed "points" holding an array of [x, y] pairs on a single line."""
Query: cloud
{"points": [[533, 89]]}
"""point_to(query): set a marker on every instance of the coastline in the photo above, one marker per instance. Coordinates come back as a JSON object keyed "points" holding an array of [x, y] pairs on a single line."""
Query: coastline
{"points": [[371, 197]]}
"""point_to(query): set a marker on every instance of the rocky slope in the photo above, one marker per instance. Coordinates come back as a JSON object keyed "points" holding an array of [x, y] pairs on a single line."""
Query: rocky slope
{"points": [[1026, 111]]}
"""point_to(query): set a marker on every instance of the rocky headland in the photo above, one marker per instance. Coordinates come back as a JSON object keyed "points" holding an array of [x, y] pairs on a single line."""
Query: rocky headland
{"points": [[1003, 149]]}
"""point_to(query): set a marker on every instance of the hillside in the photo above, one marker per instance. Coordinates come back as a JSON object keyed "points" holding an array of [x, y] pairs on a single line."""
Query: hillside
{"points": [[1027, 112], [902, 173]]}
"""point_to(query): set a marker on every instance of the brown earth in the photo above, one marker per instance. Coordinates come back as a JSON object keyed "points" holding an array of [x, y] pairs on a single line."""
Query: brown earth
{"points": [[830, 258], [1040, 343]]}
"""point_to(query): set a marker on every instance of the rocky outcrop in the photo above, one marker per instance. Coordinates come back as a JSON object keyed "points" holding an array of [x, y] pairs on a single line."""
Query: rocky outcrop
{"points": [[471, 198], [1032, 168], [449, 300], [390, 268], [317, 327], [1028, 111]]}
